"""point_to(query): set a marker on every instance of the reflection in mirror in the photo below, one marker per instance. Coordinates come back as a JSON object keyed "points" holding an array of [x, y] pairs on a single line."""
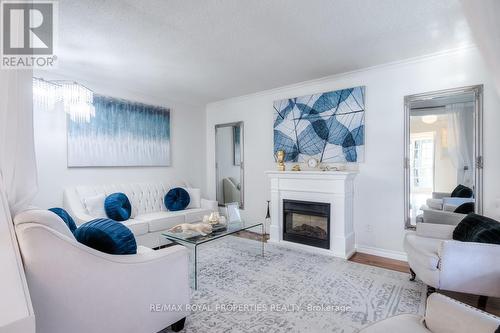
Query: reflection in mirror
{"points": [[442, 148], [229, 163]]}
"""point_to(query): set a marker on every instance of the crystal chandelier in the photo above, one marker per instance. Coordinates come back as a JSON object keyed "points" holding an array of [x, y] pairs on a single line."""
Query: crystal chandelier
{"points": [[76, 99], [45, 94]]}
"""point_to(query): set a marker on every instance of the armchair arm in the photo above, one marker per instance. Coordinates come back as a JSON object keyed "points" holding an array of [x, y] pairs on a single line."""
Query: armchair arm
{"points": [[440, 195], [444, 314], [210, 204], [470, 267], [434, 204], [430, 230], [442, 217]]}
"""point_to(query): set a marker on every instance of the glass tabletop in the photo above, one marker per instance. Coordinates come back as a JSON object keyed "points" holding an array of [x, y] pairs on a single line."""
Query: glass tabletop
{"points": [[194, 237]]}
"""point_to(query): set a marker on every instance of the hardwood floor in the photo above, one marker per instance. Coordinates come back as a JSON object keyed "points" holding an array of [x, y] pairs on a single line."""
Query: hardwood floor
{"points": [[493, 305], [368, 259]]}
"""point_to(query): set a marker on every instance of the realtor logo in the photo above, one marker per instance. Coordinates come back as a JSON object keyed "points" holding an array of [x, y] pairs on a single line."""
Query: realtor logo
{"points": [[28, 33]]}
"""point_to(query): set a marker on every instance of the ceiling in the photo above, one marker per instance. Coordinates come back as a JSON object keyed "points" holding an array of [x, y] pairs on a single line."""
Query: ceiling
{"points": [[198, 51]]}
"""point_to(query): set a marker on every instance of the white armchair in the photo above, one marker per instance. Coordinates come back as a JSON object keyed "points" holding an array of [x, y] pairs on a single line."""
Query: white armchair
{"points": [[440, 200], [434, 216], [78, 289], [447, 264], [442, 315]]}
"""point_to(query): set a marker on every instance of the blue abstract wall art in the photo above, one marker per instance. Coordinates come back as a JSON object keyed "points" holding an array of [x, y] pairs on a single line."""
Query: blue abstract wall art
{"points": [[328, 126], [122, 133]]}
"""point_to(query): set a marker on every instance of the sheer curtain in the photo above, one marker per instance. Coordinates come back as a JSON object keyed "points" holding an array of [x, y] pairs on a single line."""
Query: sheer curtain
{"points": [[18, 177], [459, 144]]}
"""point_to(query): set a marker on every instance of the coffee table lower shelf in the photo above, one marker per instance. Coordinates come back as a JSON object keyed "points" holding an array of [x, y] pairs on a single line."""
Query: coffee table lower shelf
{"points": [[193, 240]]}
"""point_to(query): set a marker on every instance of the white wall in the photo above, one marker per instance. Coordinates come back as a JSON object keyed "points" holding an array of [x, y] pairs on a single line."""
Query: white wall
{"points": [[379, 202], [187, 148]]}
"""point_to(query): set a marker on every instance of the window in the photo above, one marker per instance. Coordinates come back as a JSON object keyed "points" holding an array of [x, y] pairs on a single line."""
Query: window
{"points": [[422, 161]]}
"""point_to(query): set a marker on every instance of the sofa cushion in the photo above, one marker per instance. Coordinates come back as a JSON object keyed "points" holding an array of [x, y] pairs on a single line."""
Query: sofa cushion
{"points": [[477, 228], [177, 199], [162, 220], [107, 236], [117, 207], [423, 251], [462, 191], [196, 214], [137, 227], [63, 214], [144, 249]]}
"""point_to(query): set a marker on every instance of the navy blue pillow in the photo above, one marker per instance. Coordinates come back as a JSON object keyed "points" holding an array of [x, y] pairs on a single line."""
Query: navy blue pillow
{"points": [[462, 191], [107, 236], [465, 208], [177, 199], [117, 207], [477, 228], [65, 217]]}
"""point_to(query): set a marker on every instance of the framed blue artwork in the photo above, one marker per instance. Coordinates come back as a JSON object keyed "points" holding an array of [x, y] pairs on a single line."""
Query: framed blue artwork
{"points": [[328, 126], [122, 133]]}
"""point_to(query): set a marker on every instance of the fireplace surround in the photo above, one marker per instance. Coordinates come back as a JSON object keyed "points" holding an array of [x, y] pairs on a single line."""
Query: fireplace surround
{"points": [[335, 188]]}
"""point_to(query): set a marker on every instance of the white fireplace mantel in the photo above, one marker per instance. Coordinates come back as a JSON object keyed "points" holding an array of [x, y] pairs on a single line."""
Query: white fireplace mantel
{"points": [[333, 187]]}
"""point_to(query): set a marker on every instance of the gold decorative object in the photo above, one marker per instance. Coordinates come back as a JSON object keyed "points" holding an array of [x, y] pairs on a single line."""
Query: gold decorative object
{"points": [[296, 167], [280, 157]]}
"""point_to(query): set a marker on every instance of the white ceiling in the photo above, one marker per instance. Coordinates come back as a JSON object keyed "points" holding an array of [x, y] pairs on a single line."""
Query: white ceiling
{"points": [[198, 51]]}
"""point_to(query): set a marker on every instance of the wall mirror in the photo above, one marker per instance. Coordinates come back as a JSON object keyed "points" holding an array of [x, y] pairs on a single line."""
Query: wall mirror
{"points": [[229, 164], [443, 155]]}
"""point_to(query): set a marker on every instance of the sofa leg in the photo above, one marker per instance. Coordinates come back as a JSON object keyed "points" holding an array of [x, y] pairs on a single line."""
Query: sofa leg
{"points": [[178, 325], [481, 302], [412, 275], [430, 290]]}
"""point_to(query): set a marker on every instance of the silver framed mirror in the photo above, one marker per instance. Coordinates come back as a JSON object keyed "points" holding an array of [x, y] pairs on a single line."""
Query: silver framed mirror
{"points": [[229, 163], [443, 156]]}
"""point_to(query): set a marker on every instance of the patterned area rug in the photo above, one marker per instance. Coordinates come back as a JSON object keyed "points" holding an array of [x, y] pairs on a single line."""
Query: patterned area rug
{"points": [[290, 290]]}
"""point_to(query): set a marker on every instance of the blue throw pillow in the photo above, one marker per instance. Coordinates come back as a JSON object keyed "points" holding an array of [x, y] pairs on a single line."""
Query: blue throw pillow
{"points": [[117, 207], [65, 217], [107, 236], [177, 199]]}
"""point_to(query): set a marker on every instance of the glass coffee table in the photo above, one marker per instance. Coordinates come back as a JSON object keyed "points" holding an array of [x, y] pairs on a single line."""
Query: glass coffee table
{"points": [[193, 239]]}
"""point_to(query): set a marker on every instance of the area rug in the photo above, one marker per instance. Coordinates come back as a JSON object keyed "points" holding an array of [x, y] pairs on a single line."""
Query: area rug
{"points": [[290, 290]]}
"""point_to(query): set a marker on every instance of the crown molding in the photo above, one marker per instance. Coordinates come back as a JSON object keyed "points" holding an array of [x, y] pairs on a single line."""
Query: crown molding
{"points": [[394, 64]]}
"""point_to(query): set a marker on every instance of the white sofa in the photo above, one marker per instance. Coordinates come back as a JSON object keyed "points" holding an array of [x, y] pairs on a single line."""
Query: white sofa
{"points": [[442, 315], [447, 264], [77, 289], [149, 216]]}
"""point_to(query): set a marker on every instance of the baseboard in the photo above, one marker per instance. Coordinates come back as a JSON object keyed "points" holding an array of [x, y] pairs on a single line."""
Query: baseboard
{"points": [[381, 252]]}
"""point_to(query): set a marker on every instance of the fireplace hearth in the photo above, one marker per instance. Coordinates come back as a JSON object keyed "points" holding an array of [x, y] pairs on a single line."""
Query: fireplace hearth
{"points": [[307, 223]]}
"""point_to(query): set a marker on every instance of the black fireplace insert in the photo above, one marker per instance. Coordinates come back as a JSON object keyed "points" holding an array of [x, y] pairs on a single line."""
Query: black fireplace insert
{"points": [[307, 223]]}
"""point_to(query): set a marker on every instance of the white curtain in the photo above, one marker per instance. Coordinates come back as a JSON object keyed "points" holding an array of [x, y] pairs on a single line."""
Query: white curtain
{"points": [[18, 177], [459, 141]]}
